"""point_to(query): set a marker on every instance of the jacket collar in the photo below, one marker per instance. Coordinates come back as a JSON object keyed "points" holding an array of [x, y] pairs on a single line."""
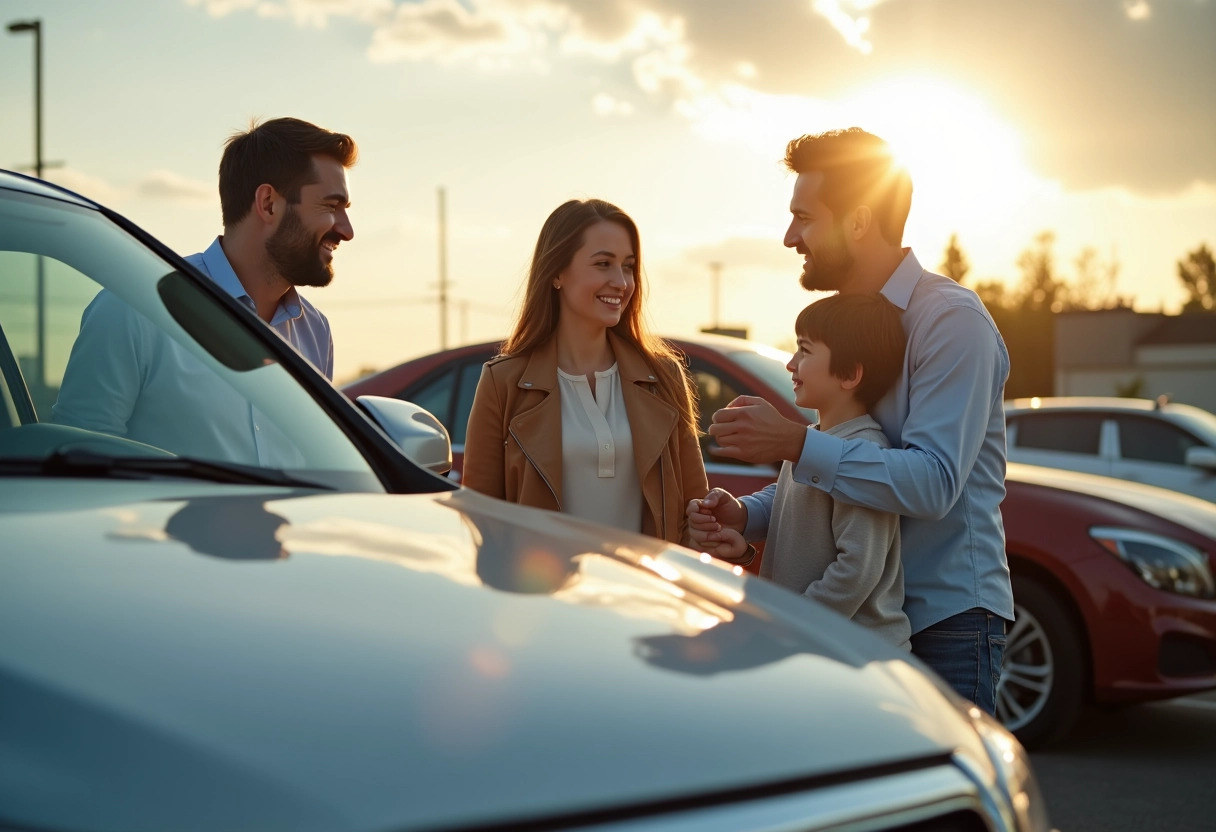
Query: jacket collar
{"points": [[540, 373]]}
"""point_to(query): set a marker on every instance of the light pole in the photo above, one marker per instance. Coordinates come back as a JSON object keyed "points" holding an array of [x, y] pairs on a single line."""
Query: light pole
{"points": [[35, 26]]}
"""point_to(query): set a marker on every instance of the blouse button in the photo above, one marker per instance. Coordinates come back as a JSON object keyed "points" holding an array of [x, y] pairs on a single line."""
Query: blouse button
{"points": [[814, 479]]}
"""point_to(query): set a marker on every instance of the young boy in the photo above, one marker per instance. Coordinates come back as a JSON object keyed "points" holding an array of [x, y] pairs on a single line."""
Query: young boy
{"points": [[850, 352]]}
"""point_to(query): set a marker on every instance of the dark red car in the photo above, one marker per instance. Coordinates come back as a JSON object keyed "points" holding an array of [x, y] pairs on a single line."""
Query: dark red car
{"points": [[1113, 581]]}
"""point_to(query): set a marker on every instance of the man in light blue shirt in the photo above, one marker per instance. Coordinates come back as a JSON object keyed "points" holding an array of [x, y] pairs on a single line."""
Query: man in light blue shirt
{"points": [[945, 470], [284, 199]]}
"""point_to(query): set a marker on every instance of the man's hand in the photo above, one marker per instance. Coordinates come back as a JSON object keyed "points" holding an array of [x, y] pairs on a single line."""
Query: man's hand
{"points": [[751, 429]]}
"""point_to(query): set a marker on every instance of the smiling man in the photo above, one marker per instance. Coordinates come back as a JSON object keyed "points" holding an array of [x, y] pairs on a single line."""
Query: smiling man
{"points": [[284, 199], [945, 469]]}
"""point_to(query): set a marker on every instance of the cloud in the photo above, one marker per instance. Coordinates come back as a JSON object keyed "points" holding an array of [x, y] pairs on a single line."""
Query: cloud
{"points": [[1100, 102], [604, 104], [852, 26], [743, 254], [86, 184], [164, 184], [446, 31], [314, 13], [1137, 9]]}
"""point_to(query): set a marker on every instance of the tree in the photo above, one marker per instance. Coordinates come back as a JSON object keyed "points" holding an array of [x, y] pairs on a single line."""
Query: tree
{"points": [[993, 294], [1040, 289], [954, 263], [1197, 271], [1094, 287]]}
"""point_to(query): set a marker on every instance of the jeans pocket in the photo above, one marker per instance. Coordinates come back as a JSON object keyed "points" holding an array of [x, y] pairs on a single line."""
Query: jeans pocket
{"points": [[955, 656], [996, 656]]}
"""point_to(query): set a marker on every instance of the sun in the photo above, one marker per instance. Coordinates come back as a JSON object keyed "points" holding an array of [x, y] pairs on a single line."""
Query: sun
{"points": [[963, 158]]}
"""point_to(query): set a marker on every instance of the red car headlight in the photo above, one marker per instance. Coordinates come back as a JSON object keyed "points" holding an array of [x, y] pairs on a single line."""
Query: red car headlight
{"points": [[1161, 562]]}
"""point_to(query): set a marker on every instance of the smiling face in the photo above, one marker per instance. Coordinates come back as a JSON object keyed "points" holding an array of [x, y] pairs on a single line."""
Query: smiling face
{"points": [[597, 286], [302, 247], [818, 235], [811, 374]]}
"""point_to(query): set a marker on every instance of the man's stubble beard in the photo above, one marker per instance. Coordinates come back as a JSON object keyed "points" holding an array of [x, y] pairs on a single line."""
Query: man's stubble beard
{"points": [[295, 253], [828, 269]]}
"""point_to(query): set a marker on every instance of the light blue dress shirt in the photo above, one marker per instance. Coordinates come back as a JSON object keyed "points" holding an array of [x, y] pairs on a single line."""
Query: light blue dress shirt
{"points": [[945, 470], [296, 320], [126, 377]]}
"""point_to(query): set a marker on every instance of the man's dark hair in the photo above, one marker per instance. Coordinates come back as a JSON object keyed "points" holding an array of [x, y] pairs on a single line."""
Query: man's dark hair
{"points": [[277, 152], [861, 331], [858, 169]]}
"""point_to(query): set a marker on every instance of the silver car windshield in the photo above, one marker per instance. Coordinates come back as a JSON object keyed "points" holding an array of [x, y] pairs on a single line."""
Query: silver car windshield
{"points": [[109, 354]]}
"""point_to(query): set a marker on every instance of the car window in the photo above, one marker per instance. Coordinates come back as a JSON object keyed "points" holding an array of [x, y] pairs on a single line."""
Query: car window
{"points": [[1077, 433], [714, 391], [1153, 440], [449, 395], [112, 352], [435, 394], [470, 374], [769, 365]]}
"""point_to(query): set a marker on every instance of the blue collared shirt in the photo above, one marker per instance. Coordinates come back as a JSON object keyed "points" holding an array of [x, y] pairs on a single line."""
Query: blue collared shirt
{"points": [[945, 470], [296, 320], [127, 377]]}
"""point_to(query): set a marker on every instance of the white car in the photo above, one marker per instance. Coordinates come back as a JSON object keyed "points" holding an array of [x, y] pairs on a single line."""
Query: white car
{"points": [[1155, 442]]}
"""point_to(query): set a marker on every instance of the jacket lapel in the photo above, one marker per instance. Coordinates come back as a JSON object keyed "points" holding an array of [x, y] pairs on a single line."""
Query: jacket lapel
{"points": [[651, 419], [538, 430]]}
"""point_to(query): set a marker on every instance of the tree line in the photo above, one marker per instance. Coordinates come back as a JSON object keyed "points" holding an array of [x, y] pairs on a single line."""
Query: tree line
{"points": [[1024, 312], [1042, 286]]}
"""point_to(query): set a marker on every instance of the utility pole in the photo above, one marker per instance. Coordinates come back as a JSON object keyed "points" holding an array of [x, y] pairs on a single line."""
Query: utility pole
{"points": [[715, 270], [443, 271]]}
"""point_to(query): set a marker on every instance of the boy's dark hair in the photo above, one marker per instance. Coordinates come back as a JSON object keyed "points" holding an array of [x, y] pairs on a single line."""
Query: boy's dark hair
{"points": [[861, 331], [858, 169], [278, 152]]}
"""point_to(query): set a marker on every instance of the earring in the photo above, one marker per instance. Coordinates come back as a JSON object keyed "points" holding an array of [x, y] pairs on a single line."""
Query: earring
{"points": [[556, 285]]}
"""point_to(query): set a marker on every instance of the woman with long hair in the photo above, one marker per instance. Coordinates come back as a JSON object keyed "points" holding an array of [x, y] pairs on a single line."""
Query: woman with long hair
{"points": [[584, 411]]}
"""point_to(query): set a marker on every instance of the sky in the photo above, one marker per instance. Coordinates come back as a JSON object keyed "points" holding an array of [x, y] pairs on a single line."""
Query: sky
{"points": [[1093, 119]]}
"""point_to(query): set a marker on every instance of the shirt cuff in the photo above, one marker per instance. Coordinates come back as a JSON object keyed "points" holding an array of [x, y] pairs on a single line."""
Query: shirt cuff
{"points": [[757, 517], [819, 460]]}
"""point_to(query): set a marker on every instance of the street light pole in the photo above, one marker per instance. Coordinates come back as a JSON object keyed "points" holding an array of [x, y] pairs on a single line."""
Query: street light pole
{"points": [[35, 26]]}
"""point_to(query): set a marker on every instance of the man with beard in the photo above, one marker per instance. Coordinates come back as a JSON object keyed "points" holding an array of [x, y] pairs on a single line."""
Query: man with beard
{"points": [[284, 198], [945, 470]]}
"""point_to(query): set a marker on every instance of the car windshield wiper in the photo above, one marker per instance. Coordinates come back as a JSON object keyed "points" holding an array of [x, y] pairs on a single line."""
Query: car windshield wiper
{"points": [[77, 462]]}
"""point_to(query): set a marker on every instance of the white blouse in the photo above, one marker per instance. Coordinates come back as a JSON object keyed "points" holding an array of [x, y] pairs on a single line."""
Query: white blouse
{"points": [[599, 476]]}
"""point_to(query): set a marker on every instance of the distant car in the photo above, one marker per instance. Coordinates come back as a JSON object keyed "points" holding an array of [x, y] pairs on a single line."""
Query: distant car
{"points": [[334, 638], [1156, 442], [1113, 586]]}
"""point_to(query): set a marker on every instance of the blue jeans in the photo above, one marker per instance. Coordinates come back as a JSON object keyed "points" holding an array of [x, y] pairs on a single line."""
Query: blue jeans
{"points": [[966, 650]]}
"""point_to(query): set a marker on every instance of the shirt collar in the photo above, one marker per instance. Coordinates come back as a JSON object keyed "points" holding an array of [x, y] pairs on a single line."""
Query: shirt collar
{"points": [[221, 271], [899, 286]]}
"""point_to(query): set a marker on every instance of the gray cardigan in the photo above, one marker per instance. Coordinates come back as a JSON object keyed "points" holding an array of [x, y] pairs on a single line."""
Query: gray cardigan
{"points": [[843, 556]]}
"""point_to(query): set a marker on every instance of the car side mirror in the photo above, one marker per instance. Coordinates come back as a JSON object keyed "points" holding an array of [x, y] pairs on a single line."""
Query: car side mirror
{"points": [[1204, 458], [414, 429]]}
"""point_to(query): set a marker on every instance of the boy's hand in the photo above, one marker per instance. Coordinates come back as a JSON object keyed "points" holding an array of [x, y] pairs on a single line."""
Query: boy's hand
{"points": [[729, 546], [751, 429], [716, 511]]}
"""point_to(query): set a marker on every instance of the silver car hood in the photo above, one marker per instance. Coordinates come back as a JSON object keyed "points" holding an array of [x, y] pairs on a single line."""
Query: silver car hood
{"points": [[258, 658]]}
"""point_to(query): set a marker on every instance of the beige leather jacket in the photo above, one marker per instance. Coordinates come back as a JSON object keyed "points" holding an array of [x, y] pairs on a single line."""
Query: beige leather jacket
{"points": [[513, 449]]}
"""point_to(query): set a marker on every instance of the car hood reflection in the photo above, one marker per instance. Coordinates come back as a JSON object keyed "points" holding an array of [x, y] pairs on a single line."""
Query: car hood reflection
{"points": [[370, 661]]}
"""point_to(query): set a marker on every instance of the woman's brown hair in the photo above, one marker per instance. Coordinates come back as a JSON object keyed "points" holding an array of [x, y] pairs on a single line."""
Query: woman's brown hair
{"points": [[560, 238]]}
